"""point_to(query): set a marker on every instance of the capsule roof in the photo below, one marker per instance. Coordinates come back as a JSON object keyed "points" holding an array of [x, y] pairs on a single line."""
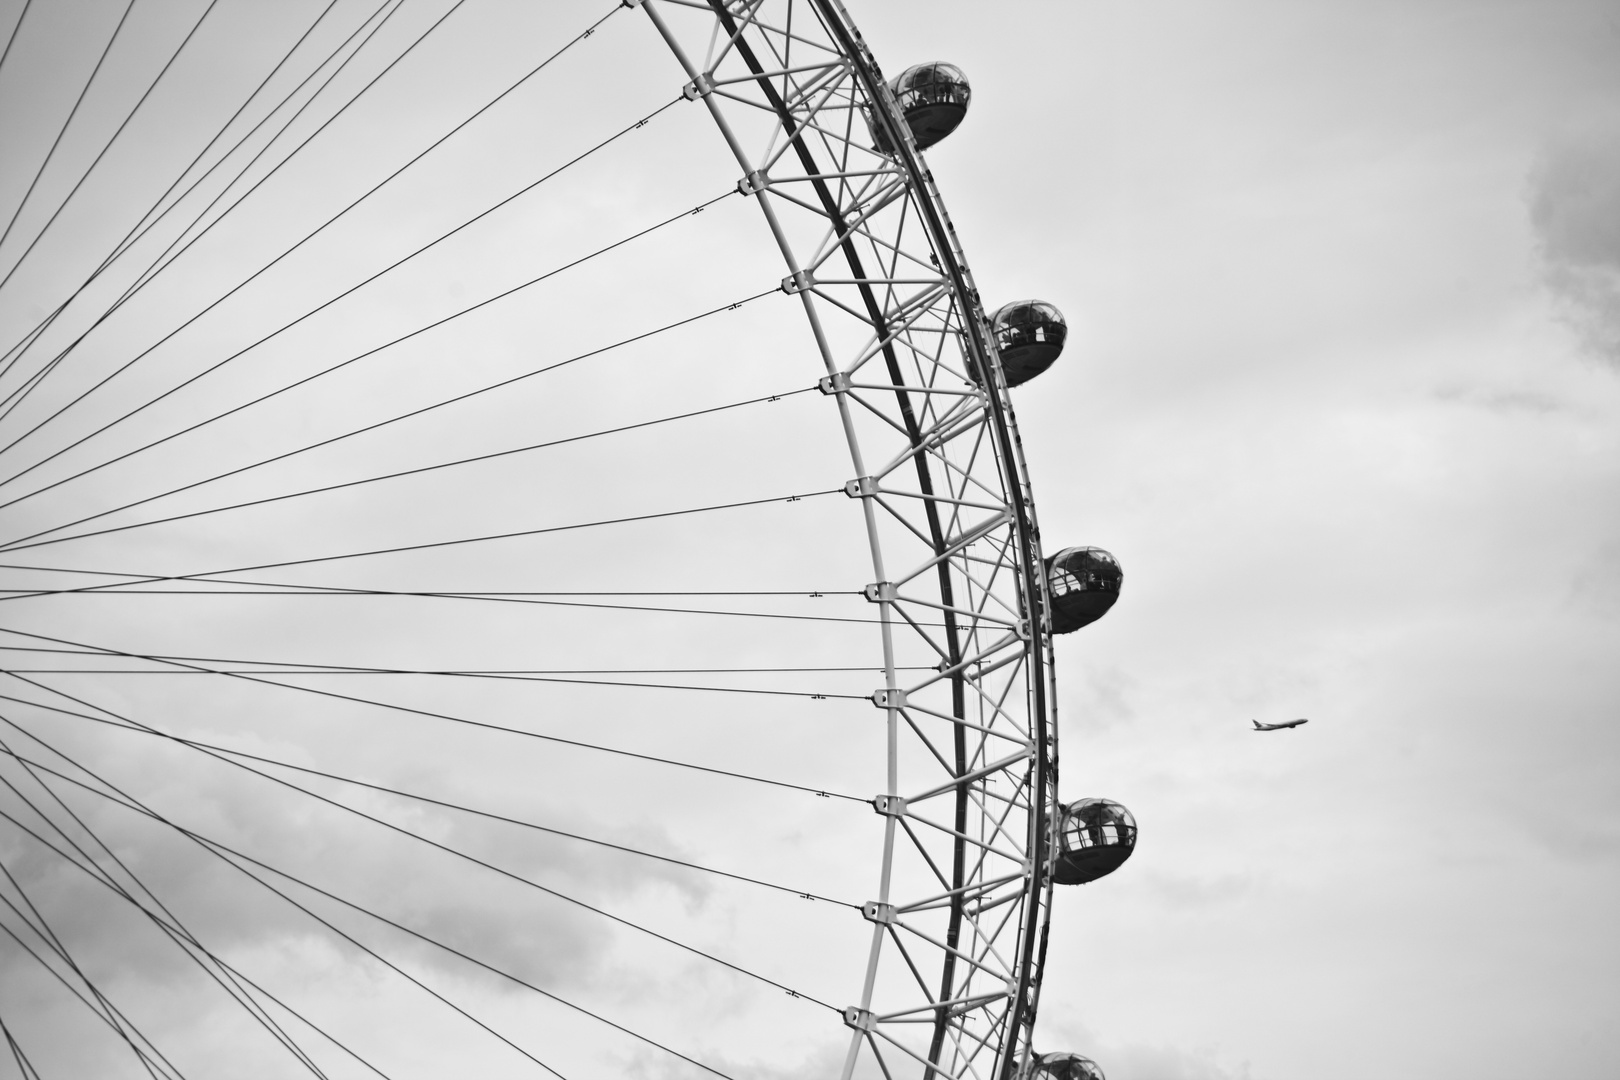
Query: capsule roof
{"points": [[1029, 336], [933, 98], [1095, 837], [1061, 1065], [1082, 584]]}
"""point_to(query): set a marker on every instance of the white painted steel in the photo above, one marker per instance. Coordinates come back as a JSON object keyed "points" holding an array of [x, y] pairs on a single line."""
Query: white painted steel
{"points": [[959, 919]]}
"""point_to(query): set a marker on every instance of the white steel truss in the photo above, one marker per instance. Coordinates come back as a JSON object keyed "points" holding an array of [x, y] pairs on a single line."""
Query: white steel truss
{"points": [[959, 921]]}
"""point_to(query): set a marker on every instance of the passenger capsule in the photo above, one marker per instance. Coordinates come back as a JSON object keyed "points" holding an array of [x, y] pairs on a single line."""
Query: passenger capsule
{"points": [[1060, 1066], [933, 98], [1029, 336], [1083, 583], [1095, 836]]}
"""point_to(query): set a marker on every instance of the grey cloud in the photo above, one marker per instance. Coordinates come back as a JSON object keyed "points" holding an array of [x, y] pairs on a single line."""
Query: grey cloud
{"points": [[1583, 839], [1500, 401], [545, 938], [1105, 696], [1192, 891], [1126, 1059], [539, 938], [1597, 583], [823, 1060], [1575, 211], [1165, 1063]]}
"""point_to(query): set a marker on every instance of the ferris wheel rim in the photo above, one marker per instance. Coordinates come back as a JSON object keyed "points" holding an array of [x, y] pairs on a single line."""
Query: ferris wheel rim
{"points": [[984, 367], [1024, 630]]}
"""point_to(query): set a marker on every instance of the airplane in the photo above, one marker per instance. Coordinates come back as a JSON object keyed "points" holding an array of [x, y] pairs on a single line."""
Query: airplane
{"points": [[1258, 726]]}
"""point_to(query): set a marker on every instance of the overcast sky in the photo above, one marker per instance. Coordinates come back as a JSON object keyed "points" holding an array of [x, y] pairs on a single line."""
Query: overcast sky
{"points": [[1342, 393]]}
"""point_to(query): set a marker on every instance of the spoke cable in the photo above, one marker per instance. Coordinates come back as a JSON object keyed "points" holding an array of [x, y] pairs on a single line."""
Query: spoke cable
{"points": [[15, 27], [133, 588], [501, 676], [146, 275], [221, 850], [330, 669], [733, 306], [109, 143], [68, 122], [158, 265], [476, 861], [15, 398], [130, 723], [165, 259], [544, 531], [288, 667], [57, 975], [95, 871], [23, 543], [214, 848], [109, 1013], [136, 231], [169, 923], [464, 721], [272, 588], [24, 1066], [149, 272], [214, 749], [206, 371]]}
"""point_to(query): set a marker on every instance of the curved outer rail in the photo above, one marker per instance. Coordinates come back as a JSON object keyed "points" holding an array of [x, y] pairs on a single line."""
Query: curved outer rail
{"points": [[960, 918]]}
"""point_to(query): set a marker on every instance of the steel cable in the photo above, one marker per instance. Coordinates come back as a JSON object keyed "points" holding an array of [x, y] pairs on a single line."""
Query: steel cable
{"points": [[146, 275], [24, 1067], [10, 356], [42, 962], [22, 542], [109, 143], [270, 589], [214, 749], [128, 802], [205, 844], [432, 243], [15, 398], [479, 724], [110, 1013], [370, 352], [68, 122], [170, 923], [12, 37]]}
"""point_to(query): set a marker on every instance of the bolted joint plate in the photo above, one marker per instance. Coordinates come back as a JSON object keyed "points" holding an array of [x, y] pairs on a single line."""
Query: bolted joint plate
{"points": [[753, 183], [889, 805], [874, 911], [889, 699], [702, 86], [859, 1019], [861, 487], [797, 282], [834, 384], [880, 592]]}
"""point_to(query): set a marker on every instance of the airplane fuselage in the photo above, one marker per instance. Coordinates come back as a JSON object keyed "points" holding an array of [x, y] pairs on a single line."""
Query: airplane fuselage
{"points": [[1258, 726]]}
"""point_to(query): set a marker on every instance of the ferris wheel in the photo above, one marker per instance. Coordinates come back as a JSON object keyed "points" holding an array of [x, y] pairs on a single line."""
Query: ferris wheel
{"points": [[502, 587]]}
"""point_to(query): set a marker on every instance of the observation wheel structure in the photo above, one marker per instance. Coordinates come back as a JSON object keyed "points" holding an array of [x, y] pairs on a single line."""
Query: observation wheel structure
{"points": [[963, 888], [403, 578]]}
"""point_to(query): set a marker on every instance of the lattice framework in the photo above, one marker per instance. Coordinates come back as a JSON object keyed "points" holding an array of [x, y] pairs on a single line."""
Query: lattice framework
{"points": [[959, 921]]}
